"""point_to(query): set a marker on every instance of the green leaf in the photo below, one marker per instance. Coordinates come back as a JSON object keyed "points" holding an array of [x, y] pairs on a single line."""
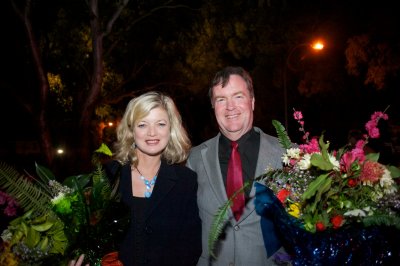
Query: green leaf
{"points": [[44, 173], [44, 243], [77, 182], [220, 219], [372, 157], [321, 162], [42, 227], [283, 137], [394, 171], [315, 186], [217, 226], [32, 238], [103, 149], [29, 195]]}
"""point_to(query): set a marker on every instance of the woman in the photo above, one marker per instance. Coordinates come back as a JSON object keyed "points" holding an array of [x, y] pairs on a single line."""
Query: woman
{"points": [[165, 227]]}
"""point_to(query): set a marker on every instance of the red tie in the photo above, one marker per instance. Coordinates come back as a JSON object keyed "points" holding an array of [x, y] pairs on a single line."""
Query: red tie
{"points": [[234, 181]]}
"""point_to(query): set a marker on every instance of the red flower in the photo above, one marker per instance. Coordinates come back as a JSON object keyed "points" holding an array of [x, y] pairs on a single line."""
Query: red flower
{"points": [[352, 182], [337, 221], [282, 195], [320, 226], [372, 172]]}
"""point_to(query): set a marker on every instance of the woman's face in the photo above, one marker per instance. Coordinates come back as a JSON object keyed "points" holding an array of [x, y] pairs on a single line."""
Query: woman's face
{"points": [[152, 132]]}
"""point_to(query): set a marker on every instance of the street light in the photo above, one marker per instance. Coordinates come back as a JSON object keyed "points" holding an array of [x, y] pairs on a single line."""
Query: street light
{"points": [[315, 46]]}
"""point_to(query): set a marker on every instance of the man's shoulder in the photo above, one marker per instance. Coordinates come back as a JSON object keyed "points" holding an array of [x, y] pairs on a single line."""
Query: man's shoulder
{"points": [[264, 135], [205, 144]]}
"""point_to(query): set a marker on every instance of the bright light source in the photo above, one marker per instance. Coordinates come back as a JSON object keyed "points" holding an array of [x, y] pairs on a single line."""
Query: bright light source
{"points": [[110, 124], [317, 45], [60, 151]]}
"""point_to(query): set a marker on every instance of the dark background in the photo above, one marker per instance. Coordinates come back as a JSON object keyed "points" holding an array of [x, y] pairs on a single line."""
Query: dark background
{"points": [[332, 100]]}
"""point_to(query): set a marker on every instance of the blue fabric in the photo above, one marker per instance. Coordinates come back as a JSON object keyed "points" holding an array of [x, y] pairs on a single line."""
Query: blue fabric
{"points": [[351, 245]]}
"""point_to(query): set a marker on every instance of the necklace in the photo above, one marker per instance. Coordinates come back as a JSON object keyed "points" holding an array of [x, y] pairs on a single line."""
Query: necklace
{"points": [[148, 183]]}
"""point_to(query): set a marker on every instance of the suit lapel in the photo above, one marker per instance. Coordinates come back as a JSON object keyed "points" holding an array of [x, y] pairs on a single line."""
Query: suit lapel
{"points": [[166, 180], [213, 169]]}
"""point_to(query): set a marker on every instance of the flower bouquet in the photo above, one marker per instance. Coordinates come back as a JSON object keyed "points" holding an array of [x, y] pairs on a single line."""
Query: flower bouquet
{"points": [[61, 220], [329, 207]]}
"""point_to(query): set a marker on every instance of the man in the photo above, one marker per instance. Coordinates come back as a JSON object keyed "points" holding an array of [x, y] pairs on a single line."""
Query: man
{"points": [[232, 98]]}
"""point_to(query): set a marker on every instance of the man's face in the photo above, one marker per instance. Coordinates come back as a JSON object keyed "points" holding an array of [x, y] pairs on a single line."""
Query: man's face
{"points": [[233, 107]]}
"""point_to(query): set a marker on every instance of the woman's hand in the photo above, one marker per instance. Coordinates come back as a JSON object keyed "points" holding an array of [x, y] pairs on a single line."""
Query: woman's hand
{"points": [[78, 262]]}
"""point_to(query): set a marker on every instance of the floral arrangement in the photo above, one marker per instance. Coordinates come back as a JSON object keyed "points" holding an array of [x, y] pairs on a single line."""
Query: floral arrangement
{"points": [[318, 192], [327, 189], [55, 215]]}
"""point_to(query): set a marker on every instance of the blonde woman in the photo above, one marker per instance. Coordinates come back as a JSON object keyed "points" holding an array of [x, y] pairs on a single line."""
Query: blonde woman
{"points": [[151, 147]]}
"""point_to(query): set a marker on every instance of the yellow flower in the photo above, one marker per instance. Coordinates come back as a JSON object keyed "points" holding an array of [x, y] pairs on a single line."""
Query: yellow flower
{"points": [[7, 257], [294, 210]]}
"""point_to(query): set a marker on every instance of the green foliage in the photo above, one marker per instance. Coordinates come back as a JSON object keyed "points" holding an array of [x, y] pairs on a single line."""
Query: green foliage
{"points": [[283, 137], [386, 220], [44, 233], [25, 192], [220, 219], [63, 218]]}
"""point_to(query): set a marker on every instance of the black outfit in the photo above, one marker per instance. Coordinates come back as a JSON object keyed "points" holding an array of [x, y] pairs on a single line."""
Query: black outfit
{"points": [[249, 146], [165, 229]]}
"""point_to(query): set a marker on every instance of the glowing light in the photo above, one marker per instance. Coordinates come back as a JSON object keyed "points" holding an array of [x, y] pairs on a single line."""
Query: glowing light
{"points": [[110, 124], [317, 45], [60, 151]]}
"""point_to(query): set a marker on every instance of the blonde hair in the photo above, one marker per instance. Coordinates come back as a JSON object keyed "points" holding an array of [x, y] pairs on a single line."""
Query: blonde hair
{"points": [[178, 146]]}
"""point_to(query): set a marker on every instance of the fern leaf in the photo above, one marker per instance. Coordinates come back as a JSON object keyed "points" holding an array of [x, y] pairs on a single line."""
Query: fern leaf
{"points": [[385, 220], [27, 194], [217, 226], [220, 219], [283, 137]]}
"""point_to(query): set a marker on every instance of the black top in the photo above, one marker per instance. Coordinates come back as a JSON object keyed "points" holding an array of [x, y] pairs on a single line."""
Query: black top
{"points": [[165, 229], [138, 207], [249, 146]]}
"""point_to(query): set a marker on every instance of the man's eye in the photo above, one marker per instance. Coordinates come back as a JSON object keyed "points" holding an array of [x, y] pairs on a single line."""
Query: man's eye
{"points": [[219, 100]]}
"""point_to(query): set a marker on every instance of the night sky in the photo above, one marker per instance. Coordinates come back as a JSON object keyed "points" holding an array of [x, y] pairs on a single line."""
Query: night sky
{"points": [[336, 21]]}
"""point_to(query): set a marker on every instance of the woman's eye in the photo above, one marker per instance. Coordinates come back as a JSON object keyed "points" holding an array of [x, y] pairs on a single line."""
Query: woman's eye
{"points": [[141, 125], [162, 124]]}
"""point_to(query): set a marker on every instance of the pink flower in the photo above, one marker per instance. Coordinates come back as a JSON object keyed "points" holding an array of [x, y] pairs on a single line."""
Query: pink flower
{"points": [[371, 172], [3, 197], [310, 147], [372, 125], [10, 210], [346, 161], [297, 115]]}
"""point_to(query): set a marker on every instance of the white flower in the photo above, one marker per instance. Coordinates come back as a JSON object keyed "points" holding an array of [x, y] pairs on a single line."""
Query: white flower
{"points": [[335, 162], [387, 182], [285, 159], [355, 213], [6, 235], [305, 162], [293, 153], [366, 211], [60, 196]]}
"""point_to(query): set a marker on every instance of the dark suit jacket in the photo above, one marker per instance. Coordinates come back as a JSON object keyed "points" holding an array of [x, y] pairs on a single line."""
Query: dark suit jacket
{"points": [[172, 225]]}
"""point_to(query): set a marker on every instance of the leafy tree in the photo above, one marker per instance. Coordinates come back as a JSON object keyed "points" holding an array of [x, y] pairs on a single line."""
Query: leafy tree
{"points": [[76, 50]]}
